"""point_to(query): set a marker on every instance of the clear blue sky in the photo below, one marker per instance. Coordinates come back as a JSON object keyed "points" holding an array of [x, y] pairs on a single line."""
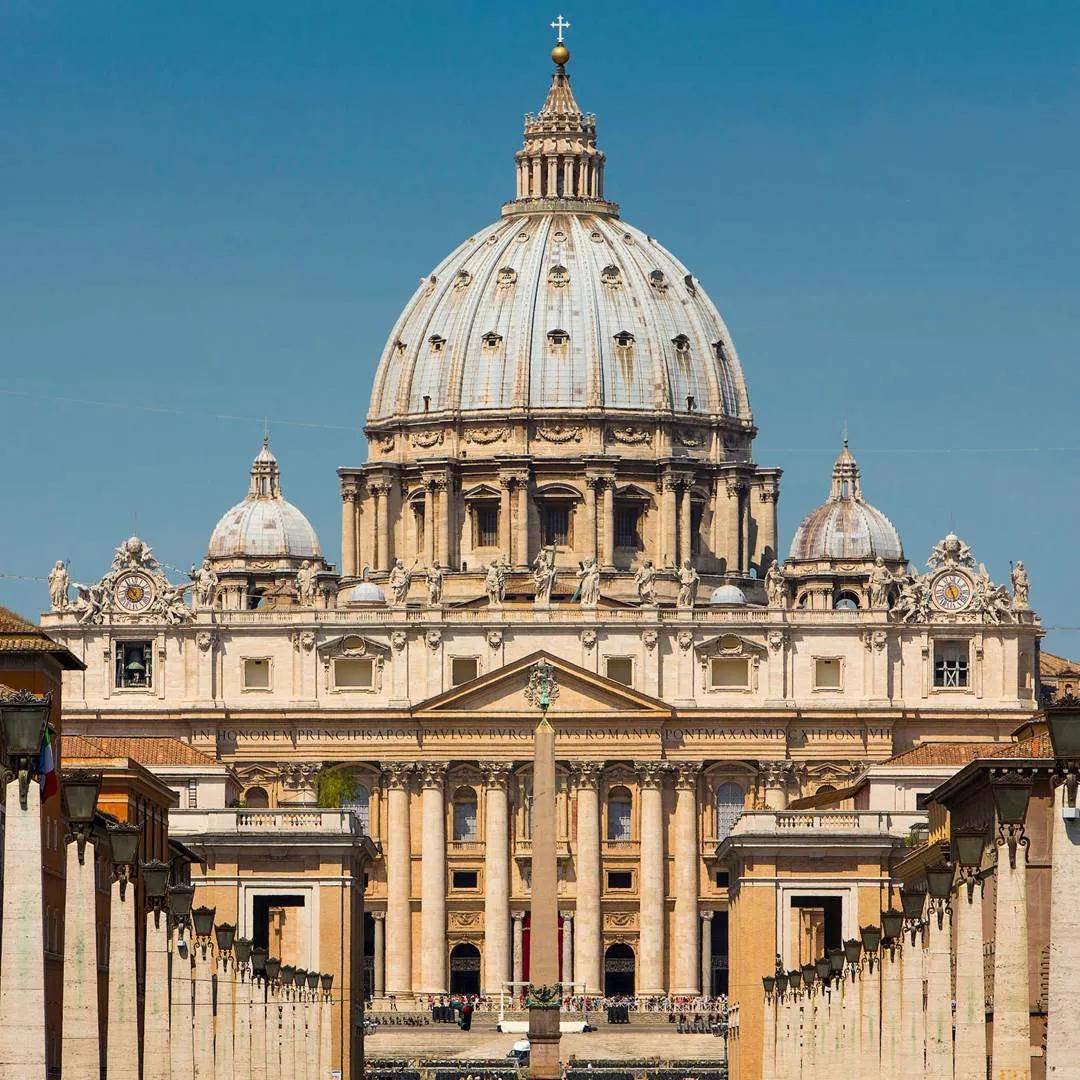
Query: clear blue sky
{"points": [[221, 208]]}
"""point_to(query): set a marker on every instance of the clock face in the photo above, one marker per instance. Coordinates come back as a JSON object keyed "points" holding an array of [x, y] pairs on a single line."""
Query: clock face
{"points": [[134, 592], [952, 591]]}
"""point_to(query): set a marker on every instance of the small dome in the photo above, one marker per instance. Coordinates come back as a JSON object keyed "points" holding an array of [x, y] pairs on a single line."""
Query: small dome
{"points": [[844, 526], [364, 592], [728, 594], [264, 524]]}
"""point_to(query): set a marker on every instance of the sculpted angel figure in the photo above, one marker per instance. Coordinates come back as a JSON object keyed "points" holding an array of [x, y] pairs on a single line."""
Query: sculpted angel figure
{"points": [[204, 584], [433, 576], [688, 581], [59, 581], [172, 603], [495, 582], [589, 583], [305, 584], [91, 603], [399, 581], [645, 580], [1021, 584], [880, 581], [543, 569], [911, 604], [775, 587]]}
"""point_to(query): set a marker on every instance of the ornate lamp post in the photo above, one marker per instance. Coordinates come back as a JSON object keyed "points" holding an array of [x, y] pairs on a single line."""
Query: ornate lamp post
{"points": [[82, 1037], [122, 1046], [203, 919], [224, 1049], [23, 719], [181, 1033], [156, 1064]]}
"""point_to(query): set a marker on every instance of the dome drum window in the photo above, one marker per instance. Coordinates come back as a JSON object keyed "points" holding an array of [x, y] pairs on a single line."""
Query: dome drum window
{"points": [[491, 340], [624, 340]]}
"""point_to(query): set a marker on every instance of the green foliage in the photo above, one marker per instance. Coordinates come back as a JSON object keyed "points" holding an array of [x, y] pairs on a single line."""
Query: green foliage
{"points": [[335, 788]]}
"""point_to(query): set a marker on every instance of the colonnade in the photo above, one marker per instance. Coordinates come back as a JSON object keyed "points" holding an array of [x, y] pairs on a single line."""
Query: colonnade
{"points": [[583, 926]]}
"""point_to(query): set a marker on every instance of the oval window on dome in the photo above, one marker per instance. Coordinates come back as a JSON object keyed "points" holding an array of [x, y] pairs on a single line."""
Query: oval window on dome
{"points": [[596, 237], [462, 280], [522, 237], [507, 277], [624, 339], [558, 339], [627, 238], [558, 277], [558, 236], [658, 281], [611, 276]]}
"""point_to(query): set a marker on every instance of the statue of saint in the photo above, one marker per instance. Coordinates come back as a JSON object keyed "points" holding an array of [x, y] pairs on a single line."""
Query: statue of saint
{"points": [[205, 584], [495, 582], [775, 586], [58, 586], [433, 576], [399, 581], [588, 589], [305, 584], [645, 580], [688, 582], [543, 569], [880, 582], [1021, 584]]}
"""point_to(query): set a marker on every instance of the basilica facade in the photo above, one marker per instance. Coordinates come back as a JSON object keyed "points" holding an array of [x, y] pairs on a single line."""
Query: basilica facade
{"points": [[560, 465]]}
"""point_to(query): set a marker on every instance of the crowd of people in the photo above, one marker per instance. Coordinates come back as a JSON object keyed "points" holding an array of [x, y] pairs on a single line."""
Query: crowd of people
{"points": [[584, 1003]]}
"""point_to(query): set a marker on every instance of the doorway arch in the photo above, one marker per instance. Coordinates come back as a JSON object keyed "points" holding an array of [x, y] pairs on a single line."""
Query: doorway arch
{"points": [[465, 969], [619, 970]]}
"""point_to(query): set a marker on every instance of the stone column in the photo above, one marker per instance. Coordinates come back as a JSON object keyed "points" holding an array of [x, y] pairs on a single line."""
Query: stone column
{"points": [[685, 530], [287, 1045], [891, 1006], [519, 959], [312, 1043], [870, 1033], [181, 1046], [587, 870], [300, 1034], [258, 1028], [348, 531], [496, 876], [670, 552], [382, 525], [443, 490], [398, 880], [22, 976], [204, 1014], [224, 1044], [326, 1037], [913, 1041], [506, 532], [591, 547], [766, 526], [433, 879], [379, 919], [523, 521], [1063, 1036], [687, 859], [773, 779], [706, 955], [939, 1017], [273, 1032], [970, 1047], [768, 1040], [608, 558], [81, 1039], [1011, 1047], [651, 885], [854, 990], [733, 517], [122, 1045], [155, 1048], [567, 951], [242, 1029], [431, 555]]}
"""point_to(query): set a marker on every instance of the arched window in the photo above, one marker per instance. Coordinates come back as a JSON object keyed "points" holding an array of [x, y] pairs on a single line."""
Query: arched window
{"points": [[846, 601], [257, 798], [465, 815], [360, 805], [619, 804], [730, 800]]}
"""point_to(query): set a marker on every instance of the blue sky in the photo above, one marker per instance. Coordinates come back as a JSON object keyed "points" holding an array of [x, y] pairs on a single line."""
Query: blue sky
{"points": [[219, 210]]}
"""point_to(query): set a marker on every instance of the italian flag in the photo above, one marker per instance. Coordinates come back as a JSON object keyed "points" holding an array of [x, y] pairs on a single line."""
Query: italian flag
{"points": [[50, 785]]}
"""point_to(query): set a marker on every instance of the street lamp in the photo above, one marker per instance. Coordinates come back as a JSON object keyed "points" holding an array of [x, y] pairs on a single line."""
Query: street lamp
{"points": [[155, 875], [1011, 789], [23, 718], [781, 983], [80, 789], [824, 970], [258, 962], [852, 952], [286, 975], [124, 849], [1063, 726], [892, 923], [272, 967], [769, 982], [243, 949], [912, 904], [180, 897], [225, 933], [327, 982], [836, 963], [939, 882], [809, 973], [871, 942], [968, 846], [313, 981], [203, 918]]}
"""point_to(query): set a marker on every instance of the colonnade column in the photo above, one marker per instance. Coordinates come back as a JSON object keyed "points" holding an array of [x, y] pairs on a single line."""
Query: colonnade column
{"points": [[766, 525], [519, 950], [122, 1046], [382, 525], [433, 879], [496, 876], [348, 531], [591, 546], [939, 1018], [706, 952], [733, 519], [686, 980], [444, 489], [81, 1038], [430, 553], [398, 879], [379, 974], [523, 521], [685, 518], [651, 889], [567, 951], [890, 1010], [669, 550], [608, 559], [913, 1022], [506, 542], [587, 869]]}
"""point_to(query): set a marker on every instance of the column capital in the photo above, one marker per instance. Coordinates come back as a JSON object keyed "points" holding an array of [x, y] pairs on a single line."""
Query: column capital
{"points": [[378, 916], [707, 915], [397, 773], [686, 774], [586, 774], [432, 774], [776, 773], [517, 916], [650, 774], [350, 490], [566, 916], [496, 773]]}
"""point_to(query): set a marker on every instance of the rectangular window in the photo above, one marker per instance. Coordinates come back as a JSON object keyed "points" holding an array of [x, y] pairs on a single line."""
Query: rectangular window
{"points": [[696, 510], [556, 522], [722, 879], [620, 879], [466, 879], [134, 665], [257, 674], [950, 664], [418, 523], [487, 524], [827, 674], [620, 669], [627, 519], [729, 673], [922, 800], [354, 674], [463, 669]]}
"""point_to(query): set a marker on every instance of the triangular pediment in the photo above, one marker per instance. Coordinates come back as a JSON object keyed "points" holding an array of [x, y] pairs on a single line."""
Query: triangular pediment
{"points": [[580, 693]]}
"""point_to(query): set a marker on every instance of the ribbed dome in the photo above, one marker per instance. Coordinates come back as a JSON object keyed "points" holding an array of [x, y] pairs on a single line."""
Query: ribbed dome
{"points": [[845, 527], [264, 524]]}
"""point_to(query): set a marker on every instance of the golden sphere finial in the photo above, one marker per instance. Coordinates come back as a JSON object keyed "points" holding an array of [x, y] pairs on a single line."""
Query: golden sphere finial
{"points": [[560, 54]]}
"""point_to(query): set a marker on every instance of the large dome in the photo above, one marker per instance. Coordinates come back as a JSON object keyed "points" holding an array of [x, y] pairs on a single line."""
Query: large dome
{"points": [[844, 526], [264, 524], [559, 305]]}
